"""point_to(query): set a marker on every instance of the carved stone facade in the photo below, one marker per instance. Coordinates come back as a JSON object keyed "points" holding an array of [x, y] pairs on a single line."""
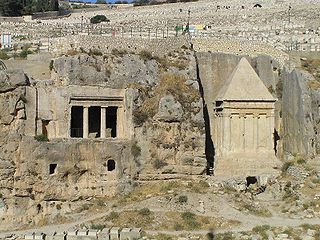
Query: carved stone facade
{"points": [[79, 112], [244, 125]]}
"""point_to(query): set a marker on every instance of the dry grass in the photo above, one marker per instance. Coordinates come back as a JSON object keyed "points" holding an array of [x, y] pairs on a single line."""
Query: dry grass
{"points": [[149, 190], [314, 84], [313, 67], [176, 221], [173, 84]]}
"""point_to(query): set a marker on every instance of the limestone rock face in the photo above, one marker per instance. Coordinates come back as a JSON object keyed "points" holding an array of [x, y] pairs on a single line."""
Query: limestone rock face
{"points": [[164, 131], [169, 109], [9, 80], [300, 113]]}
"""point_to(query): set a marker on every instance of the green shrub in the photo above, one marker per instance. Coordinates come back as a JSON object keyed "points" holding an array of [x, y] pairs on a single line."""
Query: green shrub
{"points": [[301, 161], [98, 226], [41, 138], [190, 219], [23, 53], [145, 212], [98, 19], [112, 216], [261, 230], [183, 199], [187, 215], [285, 166], [158, 164], [3, 55]]}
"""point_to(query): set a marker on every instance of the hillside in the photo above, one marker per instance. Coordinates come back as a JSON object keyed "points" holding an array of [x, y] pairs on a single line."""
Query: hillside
{"points": [[24, 7]]}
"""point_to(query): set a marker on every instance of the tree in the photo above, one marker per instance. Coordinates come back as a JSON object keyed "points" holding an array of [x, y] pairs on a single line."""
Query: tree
{"points": [[101, 1], [99, 19], [14, 8], [10, 7]]}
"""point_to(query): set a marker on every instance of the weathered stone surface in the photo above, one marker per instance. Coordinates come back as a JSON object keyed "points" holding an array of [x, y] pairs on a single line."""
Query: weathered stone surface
{"points": [[9, 80], [299, 114], [170, 110]]}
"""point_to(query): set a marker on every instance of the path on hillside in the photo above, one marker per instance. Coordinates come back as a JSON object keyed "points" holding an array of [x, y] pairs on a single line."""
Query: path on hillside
{"points": [[224, 210]]}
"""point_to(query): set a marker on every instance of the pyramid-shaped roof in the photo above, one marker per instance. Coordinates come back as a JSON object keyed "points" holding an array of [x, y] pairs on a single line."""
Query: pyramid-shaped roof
{"points": [[244, 85]]}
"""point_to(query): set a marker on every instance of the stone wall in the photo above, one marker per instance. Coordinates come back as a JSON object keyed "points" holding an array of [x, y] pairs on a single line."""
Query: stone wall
{"points": [[107, 44]]}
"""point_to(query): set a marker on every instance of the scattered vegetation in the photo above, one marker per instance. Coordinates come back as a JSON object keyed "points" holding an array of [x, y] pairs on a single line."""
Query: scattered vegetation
{"points": [[182, 199], [72, 52], [198, 187], [314, 84], [4, 55], [313, 67], [95, 52], [159, 163], [165, 62], [286, 165], [119, 53], [170, 83], [261, 230], [112, 216], [98, 226], [135, 150], [152, 2], [145, 212], [41, 138]]}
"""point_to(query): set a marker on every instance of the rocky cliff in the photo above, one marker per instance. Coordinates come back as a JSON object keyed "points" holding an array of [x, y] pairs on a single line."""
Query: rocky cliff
{"points": [[171, 115]]}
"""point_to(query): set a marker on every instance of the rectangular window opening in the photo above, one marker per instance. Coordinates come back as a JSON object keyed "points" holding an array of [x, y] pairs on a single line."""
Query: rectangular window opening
{"points": [[52, 168], [94, 122], [76, 130], [111, 121]]}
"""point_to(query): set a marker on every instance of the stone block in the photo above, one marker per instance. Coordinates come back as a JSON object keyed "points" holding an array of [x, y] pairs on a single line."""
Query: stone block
{"points": [[29, 236], [135, 233], [56, 236], [104, 234], [72, 235], [93, 233], [125, 234], [82, 233], [114, 233], [39, 236]]}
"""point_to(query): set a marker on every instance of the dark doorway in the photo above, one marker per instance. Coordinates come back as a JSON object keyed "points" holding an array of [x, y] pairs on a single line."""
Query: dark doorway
{"points": [[111, 165], [251, 180], [44, 127], [276, 138], [76, 122], [39, 208], [52, 168], [94, 120], [112, 120]]}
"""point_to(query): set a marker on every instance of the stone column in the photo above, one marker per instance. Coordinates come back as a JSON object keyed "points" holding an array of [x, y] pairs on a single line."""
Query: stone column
{"points": [[85, 121], [270, 145], [255, 132], [226, 133], [120, 122], [103, 122]]}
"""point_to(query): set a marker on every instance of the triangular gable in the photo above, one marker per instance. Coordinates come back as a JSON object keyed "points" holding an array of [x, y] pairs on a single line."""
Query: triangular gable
{"points": [[244, 85]]}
